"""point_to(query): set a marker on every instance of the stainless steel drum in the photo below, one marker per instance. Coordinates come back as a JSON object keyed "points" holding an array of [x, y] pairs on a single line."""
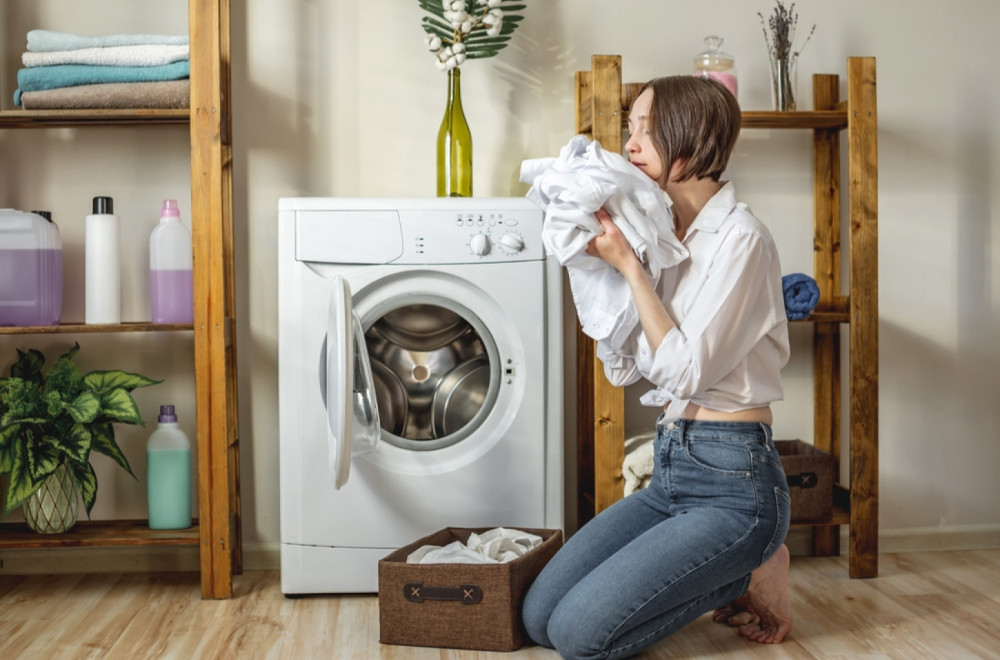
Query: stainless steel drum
{"points": [[432, 374]]}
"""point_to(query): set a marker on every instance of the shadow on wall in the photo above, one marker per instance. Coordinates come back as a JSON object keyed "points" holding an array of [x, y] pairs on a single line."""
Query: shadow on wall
{"points": [[538, 69]]}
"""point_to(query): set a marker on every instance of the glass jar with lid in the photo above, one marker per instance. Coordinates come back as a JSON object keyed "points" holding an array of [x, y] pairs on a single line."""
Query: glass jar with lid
{"points": [[713, 63]]}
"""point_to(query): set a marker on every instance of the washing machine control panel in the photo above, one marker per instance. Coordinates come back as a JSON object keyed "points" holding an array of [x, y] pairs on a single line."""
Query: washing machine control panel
{"points": [[459, 236]]}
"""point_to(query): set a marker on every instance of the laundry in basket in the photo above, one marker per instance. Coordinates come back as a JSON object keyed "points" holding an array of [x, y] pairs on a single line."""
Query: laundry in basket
{"points": [[458, 605]]}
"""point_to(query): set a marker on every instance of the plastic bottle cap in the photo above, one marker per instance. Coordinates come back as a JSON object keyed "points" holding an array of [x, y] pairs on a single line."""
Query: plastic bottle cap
{"points": [[170, 209], [167, 414], [104, 206]]}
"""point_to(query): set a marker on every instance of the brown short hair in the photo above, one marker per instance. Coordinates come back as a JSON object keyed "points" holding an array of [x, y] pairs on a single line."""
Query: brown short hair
{"points": [[694, 120]]}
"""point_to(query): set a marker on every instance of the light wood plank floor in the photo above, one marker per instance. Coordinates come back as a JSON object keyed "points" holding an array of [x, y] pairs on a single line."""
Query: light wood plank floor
{"points": [[922, 605]]}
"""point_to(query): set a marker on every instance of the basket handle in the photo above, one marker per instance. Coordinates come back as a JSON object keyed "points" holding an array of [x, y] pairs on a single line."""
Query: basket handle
{"points": [[803, 479], [467, 594]]}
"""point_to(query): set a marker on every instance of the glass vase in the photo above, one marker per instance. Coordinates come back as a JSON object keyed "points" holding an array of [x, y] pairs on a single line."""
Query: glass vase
{"points": [[52, 508], [454, 145], [783, 91]]}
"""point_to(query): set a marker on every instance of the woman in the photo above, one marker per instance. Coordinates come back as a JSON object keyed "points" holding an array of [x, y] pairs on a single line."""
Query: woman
{"points": [[708, 531]]}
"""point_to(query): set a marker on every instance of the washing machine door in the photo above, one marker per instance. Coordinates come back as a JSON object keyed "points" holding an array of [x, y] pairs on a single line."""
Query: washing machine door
{"points": [[353, 426]]}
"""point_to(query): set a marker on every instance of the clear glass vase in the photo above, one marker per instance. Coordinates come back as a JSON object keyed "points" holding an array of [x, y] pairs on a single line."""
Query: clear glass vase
{"points": [[454, 145], [783, 83]]}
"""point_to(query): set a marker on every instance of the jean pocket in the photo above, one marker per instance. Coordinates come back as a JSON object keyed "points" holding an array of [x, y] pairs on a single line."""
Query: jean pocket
{"points": [[721, 456]]}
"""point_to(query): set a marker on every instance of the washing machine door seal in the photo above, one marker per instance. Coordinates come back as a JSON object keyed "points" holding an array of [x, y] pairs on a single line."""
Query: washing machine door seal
{"points": [[353, 427]]}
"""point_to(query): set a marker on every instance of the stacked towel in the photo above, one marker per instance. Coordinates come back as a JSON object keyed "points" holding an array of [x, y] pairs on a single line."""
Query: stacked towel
{"points": [[801, 295], [63, 70]]}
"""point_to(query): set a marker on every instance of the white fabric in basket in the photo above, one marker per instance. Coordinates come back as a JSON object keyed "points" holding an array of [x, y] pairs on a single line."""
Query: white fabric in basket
{"points": [[495, 546]]}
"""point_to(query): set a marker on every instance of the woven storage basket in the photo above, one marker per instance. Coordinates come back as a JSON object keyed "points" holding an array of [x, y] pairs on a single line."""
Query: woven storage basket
{"points": [[810, 480], [461, 606]]}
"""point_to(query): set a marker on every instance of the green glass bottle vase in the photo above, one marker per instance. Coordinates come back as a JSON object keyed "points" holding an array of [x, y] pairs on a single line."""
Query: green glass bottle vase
{"points": [[454, 145]]}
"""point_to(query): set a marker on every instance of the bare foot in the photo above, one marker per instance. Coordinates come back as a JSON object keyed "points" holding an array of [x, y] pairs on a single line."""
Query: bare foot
{"points": [[764, 613]]}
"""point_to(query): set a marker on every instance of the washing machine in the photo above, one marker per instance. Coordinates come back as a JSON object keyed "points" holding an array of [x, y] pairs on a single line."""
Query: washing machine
{"points": [[420, 379]]}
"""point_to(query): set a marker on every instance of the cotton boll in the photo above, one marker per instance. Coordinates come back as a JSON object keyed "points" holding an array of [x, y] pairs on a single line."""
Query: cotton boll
{"points": [[433, 43], [458, 48]]}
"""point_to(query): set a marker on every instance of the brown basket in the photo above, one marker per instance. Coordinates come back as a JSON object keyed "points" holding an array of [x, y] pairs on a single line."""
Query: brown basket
{"points": [[461, 606], [810, 480]]}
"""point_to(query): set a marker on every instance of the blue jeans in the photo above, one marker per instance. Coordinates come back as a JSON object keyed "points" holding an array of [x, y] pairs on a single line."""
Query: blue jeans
{"points": [[716, 508]]}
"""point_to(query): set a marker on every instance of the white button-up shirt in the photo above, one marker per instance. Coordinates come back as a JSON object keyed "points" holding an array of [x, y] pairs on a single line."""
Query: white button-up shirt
{"points": [[731, 336]]}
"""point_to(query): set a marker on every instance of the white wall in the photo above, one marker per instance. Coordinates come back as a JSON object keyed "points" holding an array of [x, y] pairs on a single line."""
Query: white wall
{"points": [[338, 97]]}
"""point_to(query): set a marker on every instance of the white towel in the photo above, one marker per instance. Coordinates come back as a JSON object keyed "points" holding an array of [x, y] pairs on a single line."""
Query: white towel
{"points": [[141, 55], [571, 188], [495, 546], [47, 40]]}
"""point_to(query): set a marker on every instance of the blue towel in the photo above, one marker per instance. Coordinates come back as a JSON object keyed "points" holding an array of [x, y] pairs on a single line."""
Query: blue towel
{"points": [[801, 295], [38, 78], [47, 40]]}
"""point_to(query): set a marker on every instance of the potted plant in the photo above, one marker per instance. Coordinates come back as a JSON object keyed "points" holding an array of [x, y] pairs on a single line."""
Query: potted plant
{"points": [[49, 424]]}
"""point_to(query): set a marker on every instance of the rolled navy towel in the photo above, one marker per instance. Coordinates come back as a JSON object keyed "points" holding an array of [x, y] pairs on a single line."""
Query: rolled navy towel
{"points": [[801, 295]]}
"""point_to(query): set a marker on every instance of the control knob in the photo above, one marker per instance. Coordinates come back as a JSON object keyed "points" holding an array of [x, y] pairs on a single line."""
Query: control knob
{"points": [[480, 244], [512, 243]]}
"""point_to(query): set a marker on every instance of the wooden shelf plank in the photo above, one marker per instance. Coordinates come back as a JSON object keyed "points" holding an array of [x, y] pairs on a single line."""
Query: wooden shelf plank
{"points": [[65, 328], [17, 536], [822, 119], [83, 118]]}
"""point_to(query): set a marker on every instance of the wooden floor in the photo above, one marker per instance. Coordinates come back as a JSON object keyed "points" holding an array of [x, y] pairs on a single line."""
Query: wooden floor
{"points": [[923, 605]]}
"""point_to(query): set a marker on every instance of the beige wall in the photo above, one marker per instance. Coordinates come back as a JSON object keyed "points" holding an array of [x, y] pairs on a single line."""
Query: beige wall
{"points": [[338, 97]]}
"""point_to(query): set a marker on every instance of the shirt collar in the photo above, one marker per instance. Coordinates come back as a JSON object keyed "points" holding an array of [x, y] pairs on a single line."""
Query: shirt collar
{"points": [[716, 210]]}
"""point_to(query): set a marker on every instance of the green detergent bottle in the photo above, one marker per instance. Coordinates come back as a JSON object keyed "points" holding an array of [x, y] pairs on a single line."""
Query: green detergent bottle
{"points": [[168, 474]]}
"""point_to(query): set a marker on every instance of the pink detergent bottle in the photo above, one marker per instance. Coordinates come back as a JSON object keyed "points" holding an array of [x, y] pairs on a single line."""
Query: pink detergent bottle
{"points": [[171, 281]]}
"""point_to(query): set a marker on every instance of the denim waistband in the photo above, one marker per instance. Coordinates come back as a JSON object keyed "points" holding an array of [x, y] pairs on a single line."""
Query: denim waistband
{"points": [[696, 425]]}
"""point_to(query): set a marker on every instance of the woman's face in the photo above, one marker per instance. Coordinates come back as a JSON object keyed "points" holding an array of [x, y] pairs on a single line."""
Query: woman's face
{"points": [[639, 146]]}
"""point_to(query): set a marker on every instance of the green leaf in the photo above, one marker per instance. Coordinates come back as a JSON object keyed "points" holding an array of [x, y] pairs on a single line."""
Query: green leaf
{"points": [[119, 406], [102, 440], [9, 435], [85, 408], [100, 382], [75, 445], [28, 366], [86, 483], [41, 455], [20, 485]]}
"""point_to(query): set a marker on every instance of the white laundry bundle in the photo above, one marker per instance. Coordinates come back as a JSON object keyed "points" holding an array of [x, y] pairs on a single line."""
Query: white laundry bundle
{"points": [[637, 467], [495, 546], [571, 188]]}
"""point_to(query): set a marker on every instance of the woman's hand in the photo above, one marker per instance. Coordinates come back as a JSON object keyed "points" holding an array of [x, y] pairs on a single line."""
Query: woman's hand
{"points": [[611, 246]]}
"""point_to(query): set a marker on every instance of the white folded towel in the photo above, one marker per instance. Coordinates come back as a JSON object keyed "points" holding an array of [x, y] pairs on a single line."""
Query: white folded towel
{"points": [[140, 55], [495, 546], [48, 40]]}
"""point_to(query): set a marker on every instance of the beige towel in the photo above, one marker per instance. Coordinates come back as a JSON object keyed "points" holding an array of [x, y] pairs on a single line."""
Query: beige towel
{"points": [[134, 95], [637, 468]]}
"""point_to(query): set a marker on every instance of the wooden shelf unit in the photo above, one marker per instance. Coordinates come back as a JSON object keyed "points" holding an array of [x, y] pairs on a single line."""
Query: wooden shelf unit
{"points": [[218, 532], [602, 103]]}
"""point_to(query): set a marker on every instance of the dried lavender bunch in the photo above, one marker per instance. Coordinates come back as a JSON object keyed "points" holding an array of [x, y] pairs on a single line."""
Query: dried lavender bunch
{"points": [[782, 32]]}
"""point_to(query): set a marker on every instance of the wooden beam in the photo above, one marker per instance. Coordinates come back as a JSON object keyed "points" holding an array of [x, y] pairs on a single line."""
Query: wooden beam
{"points": [[862, 138]]}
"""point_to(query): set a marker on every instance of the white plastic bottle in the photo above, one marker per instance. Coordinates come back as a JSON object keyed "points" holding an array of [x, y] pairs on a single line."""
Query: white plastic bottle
{"points": [[171, 280], [102, 260], [168, 474]]}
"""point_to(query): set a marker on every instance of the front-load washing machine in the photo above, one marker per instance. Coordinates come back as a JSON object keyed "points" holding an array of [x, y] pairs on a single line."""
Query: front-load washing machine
{"points": [[420, 379]]}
